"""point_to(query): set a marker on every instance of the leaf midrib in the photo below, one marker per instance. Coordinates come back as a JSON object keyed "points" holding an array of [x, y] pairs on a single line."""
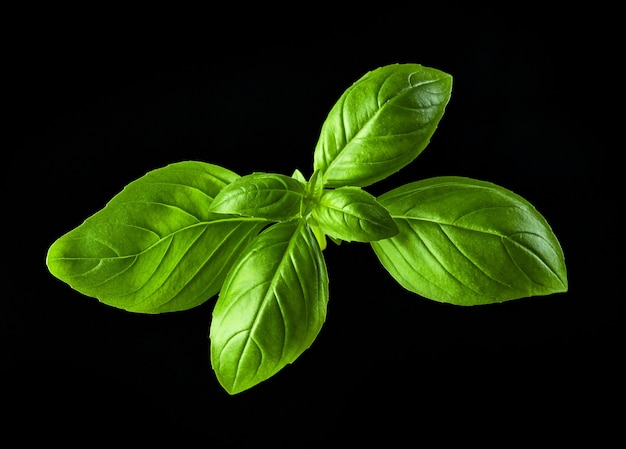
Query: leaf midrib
{"points": [[495, 234], [372, 118], [166, 237]]}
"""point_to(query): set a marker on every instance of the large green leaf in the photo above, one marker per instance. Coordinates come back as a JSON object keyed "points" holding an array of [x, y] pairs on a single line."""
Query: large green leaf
{"points": [[271, 307], [352, 214], [155, 247], [381, 123], [467, 242], [265, 195]]}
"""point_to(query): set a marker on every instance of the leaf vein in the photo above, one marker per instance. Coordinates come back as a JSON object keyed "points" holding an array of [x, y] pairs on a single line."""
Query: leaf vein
{"points": [[470, 260], [529, 250], [186, 186], [439, 260]]}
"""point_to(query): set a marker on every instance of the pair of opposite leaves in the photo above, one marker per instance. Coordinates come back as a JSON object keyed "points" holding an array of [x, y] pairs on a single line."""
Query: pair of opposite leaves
{"points": [[183, 233]]}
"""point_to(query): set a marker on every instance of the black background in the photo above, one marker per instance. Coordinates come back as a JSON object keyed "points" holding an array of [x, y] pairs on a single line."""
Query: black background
{"points": [[97, 98]]}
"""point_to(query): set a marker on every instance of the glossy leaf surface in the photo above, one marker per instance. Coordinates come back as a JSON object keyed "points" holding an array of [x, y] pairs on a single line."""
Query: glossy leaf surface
{"points": [[271, 308], [381, 123], [155, 247], [467, 242], [264, 195], [352, 214]]}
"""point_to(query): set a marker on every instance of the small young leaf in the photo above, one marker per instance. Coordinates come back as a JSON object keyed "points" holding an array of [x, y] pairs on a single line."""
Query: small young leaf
{"points": [[468, 242], [155, 247], [317, 232], [381, 123], [352, 214], [298, 176], [263, 195], [312, 193], [271, 307]]}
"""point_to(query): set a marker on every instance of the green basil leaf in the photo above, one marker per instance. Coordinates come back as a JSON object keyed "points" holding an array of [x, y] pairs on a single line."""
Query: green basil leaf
{"points": [[264, 195], [352, 214], [317, 232], [271, 307], [155, 247], [297, 175], [381, 123], [468, 242], [312, 193]]}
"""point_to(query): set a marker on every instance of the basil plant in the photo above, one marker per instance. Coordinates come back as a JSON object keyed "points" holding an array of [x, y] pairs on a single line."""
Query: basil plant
{"points": [[184, 233]]}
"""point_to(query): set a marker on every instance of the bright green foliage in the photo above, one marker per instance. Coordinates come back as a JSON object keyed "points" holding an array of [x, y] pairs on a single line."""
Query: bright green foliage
{"points": [[183, 233], [380, 124], [270, 196], [351, 214], [271, 307], [155, 247], [466, 242]]}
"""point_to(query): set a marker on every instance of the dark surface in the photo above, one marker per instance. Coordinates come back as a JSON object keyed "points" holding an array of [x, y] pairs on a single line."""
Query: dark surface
{"points": [[96, 103]]}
